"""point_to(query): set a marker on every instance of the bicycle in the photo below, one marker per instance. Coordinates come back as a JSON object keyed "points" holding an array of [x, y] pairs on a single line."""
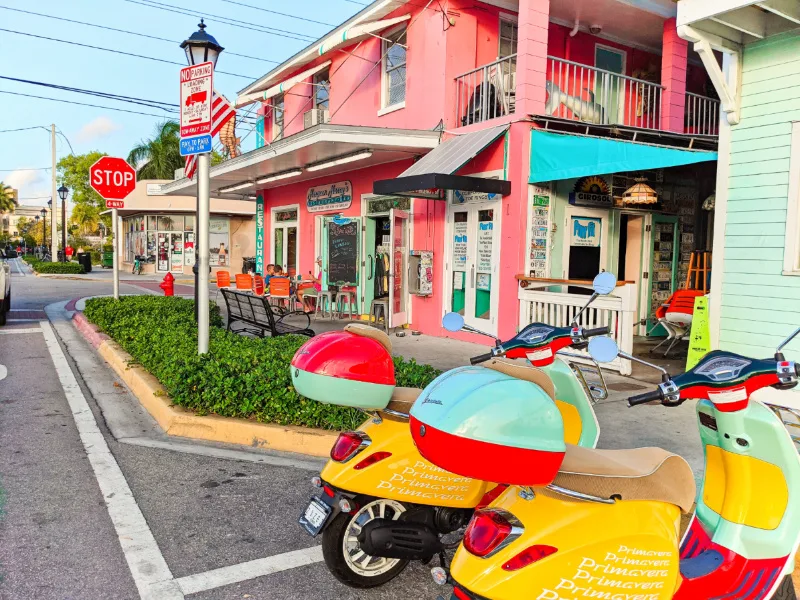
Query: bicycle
{"points": [[137, 265]]}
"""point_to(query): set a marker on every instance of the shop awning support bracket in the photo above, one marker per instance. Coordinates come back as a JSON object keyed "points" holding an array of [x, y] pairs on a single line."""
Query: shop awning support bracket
{"points": [[728, 87]]}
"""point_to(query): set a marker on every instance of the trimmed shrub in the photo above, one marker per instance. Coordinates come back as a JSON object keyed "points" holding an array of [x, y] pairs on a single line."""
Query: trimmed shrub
{"points": [[69, 268], [240, 376]]}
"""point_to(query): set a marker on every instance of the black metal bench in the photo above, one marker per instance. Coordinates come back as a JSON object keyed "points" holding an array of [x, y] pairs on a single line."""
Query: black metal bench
{"points": [[256, 316]]}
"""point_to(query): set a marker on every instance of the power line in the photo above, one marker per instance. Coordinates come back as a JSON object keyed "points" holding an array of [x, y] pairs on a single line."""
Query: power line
{"points": [[144, 35], [169, 62], [168, 106], [134, 112], [24, 129], [275, 12], [301, 37], [13, 170]]}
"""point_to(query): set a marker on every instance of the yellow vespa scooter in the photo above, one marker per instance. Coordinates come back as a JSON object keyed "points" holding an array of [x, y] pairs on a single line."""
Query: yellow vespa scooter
{"points": [[605, 524], [383, 504]]}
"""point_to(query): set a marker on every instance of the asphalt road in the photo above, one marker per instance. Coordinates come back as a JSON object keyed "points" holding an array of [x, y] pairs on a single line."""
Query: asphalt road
{"points": [[62, 533]]}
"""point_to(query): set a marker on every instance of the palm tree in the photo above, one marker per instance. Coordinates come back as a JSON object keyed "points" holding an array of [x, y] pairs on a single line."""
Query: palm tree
{"points": [[6, 198], [85, 217], [160, 156]]}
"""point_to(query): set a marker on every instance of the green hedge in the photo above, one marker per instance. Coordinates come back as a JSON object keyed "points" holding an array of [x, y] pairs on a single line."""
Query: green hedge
{"points": [[69, 268], [239, 377]]}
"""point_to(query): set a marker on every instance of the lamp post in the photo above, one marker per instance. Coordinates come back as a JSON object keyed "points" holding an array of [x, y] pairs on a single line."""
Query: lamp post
{"points": [[43, 212], [62, 193], [201, 47]]}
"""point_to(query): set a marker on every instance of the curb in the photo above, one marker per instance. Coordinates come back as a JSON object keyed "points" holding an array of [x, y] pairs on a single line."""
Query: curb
{"points": [[179, 422]]}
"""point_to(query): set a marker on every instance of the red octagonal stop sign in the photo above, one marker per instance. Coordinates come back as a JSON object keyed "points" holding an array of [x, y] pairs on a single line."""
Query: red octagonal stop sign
{"points": [[112, 178]]}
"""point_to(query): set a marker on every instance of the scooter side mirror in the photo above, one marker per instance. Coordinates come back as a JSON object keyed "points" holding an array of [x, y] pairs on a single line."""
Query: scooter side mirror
{"points": [[453, 321], [603, 349], [604, 283]]}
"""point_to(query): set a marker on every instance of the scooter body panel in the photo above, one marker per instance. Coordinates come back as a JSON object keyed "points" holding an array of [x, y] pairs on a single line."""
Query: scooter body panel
{"points": [[405, 476], [580, 421], [625, 551]]}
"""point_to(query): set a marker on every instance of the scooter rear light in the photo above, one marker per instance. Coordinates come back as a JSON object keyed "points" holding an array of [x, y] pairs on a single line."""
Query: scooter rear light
{"points": [[372, 459], [328, 491], [528, 557], [460, 594], [489, 531], [348, 444]]}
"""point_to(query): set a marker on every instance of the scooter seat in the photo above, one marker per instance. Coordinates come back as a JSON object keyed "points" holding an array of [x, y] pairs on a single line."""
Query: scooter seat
{"points": [[376, 334], [403, 399], [525, 372], [638, 474]]}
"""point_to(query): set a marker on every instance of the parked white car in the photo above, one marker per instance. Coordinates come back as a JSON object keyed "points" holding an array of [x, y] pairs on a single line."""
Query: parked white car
{"points": [[5, 290]]}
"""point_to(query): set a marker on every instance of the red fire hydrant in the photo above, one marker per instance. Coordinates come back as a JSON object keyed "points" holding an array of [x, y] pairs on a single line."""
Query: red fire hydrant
{"points": [[167, 285]]}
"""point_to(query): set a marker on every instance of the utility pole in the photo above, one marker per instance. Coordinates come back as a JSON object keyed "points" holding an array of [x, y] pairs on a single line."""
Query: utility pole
{"points": [[54, 196]]}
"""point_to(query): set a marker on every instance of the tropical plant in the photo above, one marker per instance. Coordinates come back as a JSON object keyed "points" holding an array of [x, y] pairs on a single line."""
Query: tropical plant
{"points": [[7, 203], [160, 156], [86, 218]]}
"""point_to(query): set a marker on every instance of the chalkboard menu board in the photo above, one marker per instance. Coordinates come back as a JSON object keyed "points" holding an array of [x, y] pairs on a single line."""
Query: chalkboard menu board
{"points": [[343, 253]]}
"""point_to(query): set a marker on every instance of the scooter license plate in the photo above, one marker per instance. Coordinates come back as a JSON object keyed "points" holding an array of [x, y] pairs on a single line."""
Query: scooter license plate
{"points": [[315, 516]]}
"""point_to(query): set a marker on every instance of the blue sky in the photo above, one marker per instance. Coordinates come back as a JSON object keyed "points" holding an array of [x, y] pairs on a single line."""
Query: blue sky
{"points": [[111, 131]]}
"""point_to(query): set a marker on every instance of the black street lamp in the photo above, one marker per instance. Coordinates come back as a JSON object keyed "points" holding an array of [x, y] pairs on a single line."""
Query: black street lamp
{"points": [[43, 212], [201, 47], [62, 193]]}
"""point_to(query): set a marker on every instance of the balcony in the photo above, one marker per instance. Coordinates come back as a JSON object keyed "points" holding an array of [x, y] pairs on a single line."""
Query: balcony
{"points": [[578, 92], [702, 115], [487, 92]]}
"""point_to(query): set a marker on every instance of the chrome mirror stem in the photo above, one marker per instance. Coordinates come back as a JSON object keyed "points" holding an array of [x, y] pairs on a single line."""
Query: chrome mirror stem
{"points": [[644, 362], [471, 329], [785, 342], [592, 298]]}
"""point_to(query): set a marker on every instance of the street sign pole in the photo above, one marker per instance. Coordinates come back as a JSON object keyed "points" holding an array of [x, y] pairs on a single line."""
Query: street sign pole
{"points": [[203, 251], [114, 244]]}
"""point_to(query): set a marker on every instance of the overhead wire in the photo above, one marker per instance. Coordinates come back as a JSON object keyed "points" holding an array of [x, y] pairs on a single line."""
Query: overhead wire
{"points": [[134, 112], [136, 33], [161, 60], [275, 12], [23, 129], [301, 37], [32, 169]]}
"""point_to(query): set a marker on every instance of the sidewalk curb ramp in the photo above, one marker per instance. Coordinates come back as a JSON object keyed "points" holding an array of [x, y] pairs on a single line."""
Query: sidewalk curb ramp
{"points": [[179, 422]]}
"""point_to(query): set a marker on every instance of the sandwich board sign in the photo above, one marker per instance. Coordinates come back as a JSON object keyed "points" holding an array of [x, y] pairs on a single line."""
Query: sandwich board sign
{"points": [[197, 91]]}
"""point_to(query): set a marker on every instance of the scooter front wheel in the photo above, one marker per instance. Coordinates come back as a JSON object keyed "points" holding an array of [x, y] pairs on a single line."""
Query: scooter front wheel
{"points": [[786, 590], [342, 552]]}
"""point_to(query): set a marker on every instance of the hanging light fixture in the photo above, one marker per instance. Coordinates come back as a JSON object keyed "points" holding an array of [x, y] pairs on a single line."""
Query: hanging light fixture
{"points": [[640, 194], [710, 202]]}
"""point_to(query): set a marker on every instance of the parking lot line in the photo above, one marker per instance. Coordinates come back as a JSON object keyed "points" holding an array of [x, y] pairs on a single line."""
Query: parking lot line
{"points": [[193, 584], [16, 331], [149, 570]]}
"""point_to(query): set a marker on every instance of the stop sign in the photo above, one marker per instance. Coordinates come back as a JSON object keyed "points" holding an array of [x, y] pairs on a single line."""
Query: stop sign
{"points": [[112, 178]]}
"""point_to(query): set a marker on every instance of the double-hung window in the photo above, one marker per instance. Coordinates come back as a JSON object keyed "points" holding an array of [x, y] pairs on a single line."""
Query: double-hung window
{"points": [[277, 118], [394, 69], [322, 86]]}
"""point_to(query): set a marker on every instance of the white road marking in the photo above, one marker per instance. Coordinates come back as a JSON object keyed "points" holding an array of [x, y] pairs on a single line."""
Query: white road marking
{"points": [[3, 372], [149, 570], [23, 320], [19, 269], [24, 310], [16, 331], [192, 584]]}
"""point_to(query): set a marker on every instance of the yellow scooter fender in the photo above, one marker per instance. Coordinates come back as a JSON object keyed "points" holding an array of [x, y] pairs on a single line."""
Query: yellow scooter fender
{"points": [[620, 551], [404, 476]]}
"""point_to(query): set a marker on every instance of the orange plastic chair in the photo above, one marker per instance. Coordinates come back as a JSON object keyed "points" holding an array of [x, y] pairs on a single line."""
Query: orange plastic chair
{"points": [[675, 316], [223, 279], [280, 290], [258, 285], [244, 282]]}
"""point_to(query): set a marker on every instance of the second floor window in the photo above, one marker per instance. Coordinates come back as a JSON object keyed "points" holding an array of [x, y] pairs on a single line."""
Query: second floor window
{"points": [[508, 38], [277, 118], [394, 69], [322, 87]]}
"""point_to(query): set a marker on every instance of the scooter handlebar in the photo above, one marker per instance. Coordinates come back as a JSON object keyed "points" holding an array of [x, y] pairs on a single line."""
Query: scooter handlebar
{"points": [[476, 360], [645, 398], [587, 333]]}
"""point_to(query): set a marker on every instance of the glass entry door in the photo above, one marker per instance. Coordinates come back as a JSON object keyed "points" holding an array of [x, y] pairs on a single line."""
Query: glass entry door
{"points": [[473, 268], [398, 276], [284, 247], [170, 253], [660, 281]]}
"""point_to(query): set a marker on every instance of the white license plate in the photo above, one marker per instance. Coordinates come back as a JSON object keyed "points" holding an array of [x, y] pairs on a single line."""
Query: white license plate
{"points": [[315, 516]]}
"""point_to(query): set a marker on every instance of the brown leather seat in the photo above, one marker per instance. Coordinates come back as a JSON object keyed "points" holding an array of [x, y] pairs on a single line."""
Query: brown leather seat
{"points": [[525, 372], [370, 332], [403, 399], [639, 474]]}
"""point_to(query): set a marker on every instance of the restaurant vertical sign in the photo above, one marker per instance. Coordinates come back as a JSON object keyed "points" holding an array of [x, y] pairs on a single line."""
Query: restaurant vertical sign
{"points": [[260, 234]]}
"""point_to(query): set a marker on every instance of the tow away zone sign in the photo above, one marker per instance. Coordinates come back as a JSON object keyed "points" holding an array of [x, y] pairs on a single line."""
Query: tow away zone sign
{"points": [[197, 87]]}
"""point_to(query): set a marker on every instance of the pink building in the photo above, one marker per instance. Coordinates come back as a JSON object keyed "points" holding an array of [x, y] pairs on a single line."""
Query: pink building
{"points": [[466, 141]]}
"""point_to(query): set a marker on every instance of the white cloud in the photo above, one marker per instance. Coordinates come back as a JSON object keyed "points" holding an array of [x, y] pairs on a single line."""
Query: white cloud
{"points": [[31, 184], [98, 128]]}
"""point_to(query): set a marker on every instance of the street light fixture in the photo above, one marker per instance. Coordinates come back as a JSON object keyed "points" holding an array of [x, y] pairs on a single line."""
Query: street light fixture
{"points": [[62, 193], [201, 47]]}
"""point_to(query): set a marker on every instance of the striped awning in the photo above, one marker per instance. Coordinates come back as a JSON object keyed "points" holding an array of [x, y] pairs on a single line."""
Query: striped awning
{"points": [[282, 87], [354, 34]]}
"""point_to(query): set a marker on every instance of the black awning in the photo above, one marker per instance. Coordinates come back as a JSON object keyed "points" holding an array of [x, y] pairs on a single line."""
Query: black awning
{"points": [[433, 185]]}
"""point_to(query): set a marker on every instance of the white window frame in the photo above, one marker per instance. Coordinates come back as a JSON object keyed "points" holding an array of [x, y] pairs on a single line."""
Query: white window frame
{"points": [[508, 19], [276, 133], [385, 107], [791, 254], [316, 79], [274, 224]]}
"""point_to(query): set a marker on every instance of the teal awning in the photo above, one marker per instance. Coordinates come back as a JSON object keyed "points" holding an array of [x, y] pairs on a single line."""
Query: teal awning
{"points": [[559, 156]]}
